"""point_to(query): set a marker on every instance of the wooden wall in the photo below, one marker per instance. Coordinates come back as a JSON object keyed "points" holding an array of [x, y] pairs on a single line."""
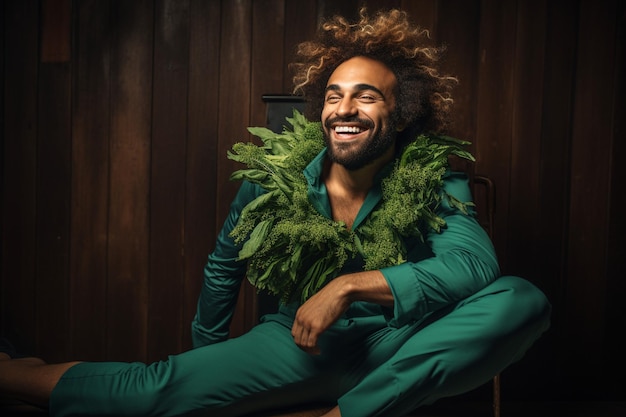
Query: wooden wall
{"points": [[116, 119]]}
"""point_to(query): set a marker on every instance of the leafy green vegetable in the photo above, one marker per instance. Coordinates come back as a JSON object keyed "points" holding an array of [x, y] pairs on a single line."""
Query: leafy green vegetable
{"points": [[292, 250]]}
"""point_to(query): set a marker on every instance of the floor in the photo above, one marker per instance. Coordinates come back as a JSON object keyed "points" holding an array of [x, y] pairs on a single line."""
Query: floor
{"points": [[527, 409], [556, 409]]}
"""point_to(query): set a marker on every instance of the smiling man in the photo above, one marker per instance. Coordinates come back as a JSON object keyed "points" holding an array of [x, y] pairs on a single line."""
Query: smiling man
{"points": [[358, 116], [414, 307]]}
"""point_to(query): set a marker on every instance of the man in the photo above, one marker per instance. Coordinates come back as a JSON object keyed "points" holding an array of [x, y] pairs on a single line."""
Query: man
{"points": [[375, 342]]}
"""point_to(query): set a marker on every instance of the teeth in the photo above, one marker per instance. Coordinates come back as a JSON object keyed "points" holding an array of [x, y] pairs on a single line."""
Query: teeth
{"points": [[347, 129]]}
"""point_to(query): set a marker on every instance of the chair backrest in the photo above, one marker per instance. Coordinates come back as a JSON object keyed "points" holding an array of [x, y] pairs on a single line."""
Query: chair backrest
{"points": [[484, 191]]}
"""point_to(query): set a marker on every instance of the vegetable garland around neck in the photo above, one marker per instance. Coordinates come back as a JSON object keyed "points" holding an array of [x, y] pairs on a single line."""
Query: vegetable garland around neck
{"points": [[291, 249]]}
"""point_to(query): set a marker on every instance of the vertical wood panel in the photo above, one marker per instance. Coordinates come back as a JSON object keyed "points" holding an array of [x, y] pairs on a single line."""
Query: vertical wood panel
{"points": [[3, 78], [234, 102], [560, 68], [167, 193], [375, 5], [523, 232], [458, 31], [541, 97], [128, 243], [267, 58], [19, 172], [495, 98], [268, 31], [558, 96], [346, 8], [300, 25], [422, 13], [616, 285], [90, 182], [528, 69], [234, 94], [53, 211], [589, 192], [202, 157], [56, 29]]}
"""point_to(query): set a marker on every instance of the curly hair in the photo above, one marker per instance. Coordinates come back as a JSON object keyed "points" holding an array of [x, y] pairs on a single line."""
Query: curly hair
{"points": [[423, 95]]}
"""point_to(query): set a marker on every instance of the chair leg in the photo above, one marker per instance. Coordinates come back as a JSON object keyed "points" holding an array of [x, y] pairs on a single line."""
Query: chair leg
{"points": [[496, 395]]}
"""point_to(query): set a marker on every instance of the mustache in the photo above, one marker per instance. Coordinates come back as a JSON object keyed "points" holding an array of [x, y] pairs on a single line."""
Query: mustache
{"points": [[352, 119]]}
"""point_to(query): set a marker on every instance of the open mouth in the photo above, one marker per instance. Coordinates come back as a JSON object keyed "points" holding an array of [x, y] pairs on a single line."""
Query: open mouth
{"points": [[347, 132], [348, 129]]}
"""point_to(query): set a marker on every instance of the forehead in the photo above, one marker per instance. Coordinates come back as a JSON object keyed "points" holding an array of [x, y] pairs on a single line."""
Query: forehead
{"points": [[360, 71]]}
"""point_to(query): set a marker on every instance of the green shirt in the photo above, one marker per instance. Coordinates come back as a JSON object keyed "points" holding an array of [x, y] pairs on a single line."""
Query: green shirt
{"points": [[444, 268]]}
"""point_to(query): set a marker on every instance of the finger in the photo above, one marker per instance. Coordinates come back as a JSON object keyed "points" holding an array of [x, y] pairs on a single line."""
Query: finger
{"points": [[309, 342], [300, 334], [304, 339], [309, 345]]}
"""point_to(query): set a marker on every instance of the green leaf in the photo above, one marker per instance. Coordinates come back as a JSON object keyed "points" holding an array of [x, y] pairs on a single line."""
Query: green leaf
{"points": [[292, 252], [257, 237], [262, 133], [253, 175], [261, 201]]}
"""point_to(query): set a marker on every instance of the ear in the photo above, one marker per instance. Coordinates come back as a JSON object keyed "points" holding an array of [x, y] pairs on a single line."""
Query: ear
{"points": [[401, 125]]}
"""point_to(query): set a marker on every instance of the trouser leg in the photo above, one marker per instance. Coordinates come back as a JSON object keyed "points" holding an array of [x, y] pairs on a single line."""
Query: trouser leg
{"points": [[207, 378], [392, 370], [453, 354]]}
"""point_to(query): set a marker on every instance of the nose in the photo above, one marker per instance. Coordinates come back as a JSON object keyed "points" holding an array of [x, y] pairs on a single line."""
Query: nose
{"points": [[346, 107]]}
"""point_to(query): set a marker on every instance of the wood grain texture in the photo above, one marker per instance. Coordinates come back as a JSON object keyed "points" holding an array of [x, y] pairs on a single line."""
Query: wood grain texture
{"points": [[90, 182], [130, 161], [616, 261], [202, 155], [495, 107], [115, 180], [168, 175], [234, 112], [54, 172], [19, 175], [56, 30], [592, 138]]}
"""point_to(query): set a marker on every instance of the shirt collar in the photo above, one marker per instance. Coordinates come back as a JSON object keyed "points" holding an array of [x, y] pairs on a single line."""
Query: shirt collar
{"points": [[318, 195]]}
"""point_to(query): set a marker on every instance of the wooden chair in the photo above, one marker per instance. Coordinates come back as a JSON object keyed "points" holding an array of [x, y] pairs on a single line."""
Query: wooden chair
{"points": [[488, 209]]}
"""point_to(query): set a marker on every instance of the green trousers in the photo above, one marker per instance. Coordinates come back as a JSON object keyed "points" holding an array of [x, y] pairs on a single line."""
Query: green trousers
{"points": [[367, 367]]}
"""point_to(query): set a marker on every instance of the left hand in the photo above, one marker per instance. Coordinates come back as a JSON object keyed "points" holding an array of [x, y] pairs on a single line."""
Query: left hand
{"points": [[317, 314]]}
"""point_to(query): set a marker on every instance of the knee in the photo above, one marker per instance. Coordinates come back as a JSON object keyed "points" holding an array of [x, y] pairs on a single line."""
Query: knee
{"points": [[148, 389], [522, 303], [527, 295]]}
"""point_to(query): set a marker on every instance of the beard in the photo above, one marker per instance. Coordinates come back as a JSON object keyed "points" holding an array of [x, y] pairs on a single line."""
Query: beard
{"points": [[363, 154]]}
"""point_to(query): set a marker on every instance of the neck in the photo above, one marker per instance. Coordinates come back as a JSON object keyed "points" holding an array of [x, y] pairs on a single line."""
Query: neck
{"points": [[358, 181]]}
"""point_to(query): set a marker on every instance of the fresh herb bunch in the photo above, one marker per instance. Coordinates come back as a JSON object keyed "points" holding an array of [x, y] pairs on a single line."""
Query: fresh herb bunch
{"points": [[411, 193], [292, 250]]}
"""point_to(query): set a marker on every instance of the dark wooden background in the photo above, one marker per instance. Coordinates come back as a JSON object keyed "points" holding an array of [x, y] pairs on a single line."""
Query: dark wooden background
{"points": [[116, 119]]}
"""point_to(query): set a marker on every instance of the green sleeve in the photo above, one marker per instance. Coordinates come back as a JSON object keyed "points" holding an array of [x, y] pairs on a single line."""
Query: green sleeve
{"points": [[223, 274], [462, 262]]}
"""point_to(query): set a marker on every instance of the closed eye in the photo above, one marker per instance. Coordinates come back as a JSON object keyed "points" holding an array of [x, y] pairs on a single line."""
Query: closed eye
{"points": [[333, 98], [368, 98]]}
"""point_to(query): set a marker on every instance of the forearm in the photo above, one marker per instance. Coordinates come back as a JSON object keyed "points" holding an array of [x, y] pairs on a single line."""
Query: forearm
{"points": [[323, 309], [368, 286], [214, 311], [223, 274]]}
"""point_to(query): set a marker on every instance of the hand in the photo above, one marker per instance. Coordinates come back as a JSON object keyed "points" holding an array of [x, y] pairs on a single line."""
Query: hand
{"points": [[317, 314]]}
